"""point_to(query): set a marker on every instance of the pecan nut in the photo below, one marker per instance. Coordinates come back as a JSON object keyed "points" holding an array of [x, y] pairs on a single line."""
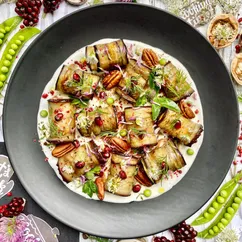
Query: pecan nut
{"points": [[112, 79], [186, 110], [142, 177], [62, 149], [100, 187], [119, 145], [150, 57]]}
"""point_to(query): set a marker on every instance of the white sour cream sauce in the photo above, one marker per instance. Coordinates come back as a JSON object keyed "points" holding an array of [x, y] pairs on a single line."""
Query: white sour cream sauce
{"points": [[157, 189]]}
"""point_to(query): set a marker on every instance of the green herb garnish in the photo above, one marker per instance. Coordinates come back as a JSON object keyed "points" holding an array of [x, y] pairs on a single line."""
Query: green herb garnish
{"points": [[89, 188], [163, 102], [90, 174], [239, 98], [108, 133]]}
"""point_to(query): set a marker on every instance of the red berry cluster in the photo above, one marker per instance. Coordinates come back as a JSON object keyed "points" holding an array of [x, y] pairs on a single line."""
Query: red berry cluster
{"points": [[51, 5], [29, 10], [161, 239], [184, 233], [14, 208]]}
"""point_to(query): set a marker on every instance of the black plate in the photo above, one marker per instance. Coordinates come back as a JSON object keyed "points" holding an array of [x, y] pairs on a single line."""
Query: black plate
{"points": [[151, 26]]}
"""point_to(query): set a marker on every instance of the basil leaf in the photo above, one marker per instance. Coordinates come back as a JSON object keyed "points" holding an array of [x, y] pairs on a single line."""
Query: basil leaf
{"points": [[163, 102], [87, 189], [96, 169], [89, 175], [141, 101], [93, 186]]}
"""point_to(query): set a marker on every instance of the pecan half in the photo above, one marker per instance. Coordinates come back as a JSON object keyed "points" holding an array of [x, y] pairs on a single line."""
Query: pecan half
{"points": [[62, 149], [112, 79], [186, 110], [142, 177], [150, 57], [119, 144], [100, 187]]}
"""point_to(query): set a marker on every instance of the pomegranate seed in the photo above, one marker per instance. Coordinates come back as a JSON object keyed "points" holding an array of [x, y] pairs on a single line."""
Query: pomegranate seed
{"points": [[163, 239], [98, 121], [6, 213], [194, 234], [21, 26], [25, 4], [196, 111], [102, 95], [29, 17], [105, 155], [234, 163], [38, 3], [9, 194], [15, 204], [136, 188], [26, 22], [122, 175], [177, 124], [20, 200], [45, 95], [157, 239], [163, 165], [80, 164], [31, 23], [13, 209], [19, 5], [240, 20], [35, 20], [59, 116], [76, 77], [34, 14], [76, 143], [101, 173], [107, 149]]}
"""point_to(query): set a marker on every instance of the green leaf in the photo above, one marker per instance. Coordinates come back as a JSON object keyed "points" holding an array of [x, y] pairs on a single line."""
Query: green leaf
{"points": [[87, 189], [93, 186], [239, 98], [141, 101], [163, 102], [90, 174]]}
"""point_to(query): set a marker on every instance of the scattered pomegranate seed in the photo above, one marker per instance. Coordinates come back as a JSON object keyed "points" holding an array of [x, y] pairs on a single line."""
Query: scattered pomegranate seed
{"points": [[9, 194], [136, 188], [163, 165], [98, 121], [59, 116], [14, 208], [177, 124], [76, 143], [107, 149], [240, 20], [82, 65], [122, 175], [101, 173], [76, 77], [44, 95], [21, 26], [237, 48], [52, 92], [235, 163], [80, 164], [105, 155], [196, 111], [179, 171], [46, 158], [102, 95]]}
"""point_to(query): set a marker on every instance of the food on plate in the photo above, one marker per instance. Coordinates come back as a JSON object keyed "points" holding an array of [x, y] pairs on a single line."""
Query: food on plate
{"points": [[236, 68], [222, 30], [121, 118], [14, 45]]}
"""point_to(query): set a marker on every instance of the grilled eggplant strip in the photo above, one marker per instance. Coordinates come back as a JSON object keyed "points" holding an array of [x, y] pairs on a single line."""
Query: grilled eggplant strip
{"points": [[189, 131], [79, 154], [142, 177], [107, 55], [167, 152], [85, 87], [176, 87], [114, 183], [86, 121], [62, 130], [141, 129]]}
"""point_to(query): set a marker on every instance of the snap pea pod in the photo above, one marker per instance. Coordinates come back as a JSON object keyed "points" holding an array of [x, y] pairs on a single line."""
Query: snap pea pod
{"points": [[12, 49], [225, 216], [218, 201], [7, 27]]}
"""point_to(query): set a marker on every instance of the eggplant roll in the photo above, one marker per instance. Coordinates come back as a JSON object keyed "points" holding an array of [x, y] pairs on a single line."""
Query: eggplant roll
{"points": [[106, 56], [176, 87], [189, 131], [84, 87], [140, 125], [67, 167], [61, 120], [167, 152], [114, 183], [135, 80], [86, 121]]}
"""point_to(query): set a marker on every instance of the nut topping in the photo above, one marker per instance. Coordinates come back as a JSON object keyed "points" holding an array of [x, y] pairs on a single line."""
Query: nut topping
{"points": [[119, 144], [100, 187], [112, 79], [186, 110], [150, 57], [62, 149]]}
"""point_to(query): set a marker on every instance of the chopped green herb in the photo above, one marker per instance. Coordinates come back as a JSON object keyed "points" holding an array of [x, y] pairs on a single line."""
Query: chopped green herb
{"points": [[108, 133]]}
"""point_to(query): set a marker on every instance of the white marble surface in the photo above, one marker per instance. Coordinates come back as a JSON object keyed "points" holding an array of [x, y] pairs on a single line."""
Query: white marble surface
{"points": [[7, 10]]}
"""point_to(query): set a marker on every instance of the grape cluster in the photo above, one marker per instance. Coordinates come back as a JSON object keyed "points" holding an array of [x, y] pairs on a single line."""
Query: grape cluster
{"points": [[29, 10]]}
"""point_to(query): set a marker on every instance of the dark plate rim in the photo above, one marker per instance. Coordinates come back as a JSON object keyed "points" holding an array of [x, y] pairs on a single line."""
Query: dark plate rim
{"points": [[37, 38]]}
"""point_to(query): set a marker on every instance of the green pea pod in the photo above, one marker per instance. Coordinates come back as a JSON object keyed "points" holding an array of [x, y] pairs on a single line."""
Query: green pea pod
{"points": [[225, 216], [7, 27], [218, 201], [12, 49]]}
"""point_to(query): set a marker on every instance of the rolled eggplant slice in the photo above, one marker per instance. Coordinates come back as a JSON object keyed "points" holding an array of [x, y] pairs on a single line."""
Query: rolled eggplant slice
{"points": [[61, 121], [85, 86], [176, 86], [167, 152], [67, 167], [106, 56], [86, 121], [141, 127], [189, 131], [116, 185], [136, 78]]}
